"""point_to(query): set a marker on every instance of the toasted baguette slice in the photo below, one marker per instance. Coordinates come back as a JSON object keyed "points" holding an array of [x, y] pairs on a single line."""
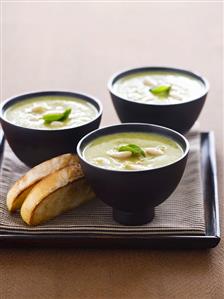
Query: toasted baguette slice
{"points": [[48, 198], [17, 203], [23, 186], [66, 198]]}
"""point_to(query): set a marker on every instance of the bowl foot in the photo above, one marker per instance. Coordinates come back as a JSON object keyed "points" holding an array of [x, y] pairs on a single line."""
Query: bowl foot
{"points": [[133, 218]]}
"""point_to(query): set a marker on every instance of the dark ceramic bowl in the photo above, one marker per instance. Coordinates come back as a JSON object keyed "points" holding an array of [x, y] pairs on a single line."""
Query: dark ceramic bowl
{"points": [[179, 117], [33, 146], [134, 194]]}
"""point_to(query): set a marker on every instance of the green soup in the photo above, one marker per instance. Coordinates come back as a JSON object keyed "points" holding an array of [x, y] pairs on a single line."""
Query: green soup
{"points": [[31, 113], [158, 87], [132, 151]]}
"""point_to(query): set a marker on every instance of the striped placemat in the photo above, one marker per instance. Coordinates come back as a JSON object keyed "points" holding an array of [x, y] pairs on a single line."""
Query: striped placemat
{"points": [[182, 212]]}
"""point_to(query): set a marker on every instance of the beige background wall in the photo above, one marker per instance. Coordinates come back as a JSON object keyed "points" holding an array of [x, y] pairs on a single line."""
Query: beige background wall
{"points": [[77, 46]]}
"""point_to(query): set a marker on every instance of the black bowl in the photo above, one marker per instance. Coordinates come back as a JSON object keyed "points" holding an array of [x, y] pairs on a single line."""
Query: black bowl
{"points": [[33, 146], [179, 117], [134, 194]]}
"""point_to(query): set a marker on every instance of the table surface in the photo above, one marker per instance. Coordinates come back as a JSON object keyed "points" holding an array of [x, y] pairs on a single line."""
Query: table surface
{"points": [[78, 46]]}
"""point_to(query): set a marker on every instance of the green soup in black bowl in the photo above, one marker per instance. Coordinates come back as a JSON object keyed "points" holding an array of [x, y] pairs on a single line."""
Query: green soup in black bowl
{"points": [[133, 167], [160, 95], [41, 125]]}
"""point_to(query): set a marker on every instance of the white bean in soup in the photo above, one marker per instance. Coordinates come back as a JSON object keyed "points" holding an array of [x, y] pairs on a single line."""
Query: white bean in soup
{"points": [[158, 87], [130, 151], [51, 112]]}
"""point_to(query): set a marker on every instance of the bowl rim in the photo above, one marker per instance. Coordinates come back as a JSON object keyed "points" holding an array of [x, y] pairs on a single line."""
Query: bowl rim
{"points": [[81, 157], [140, 69], [40, 93]]}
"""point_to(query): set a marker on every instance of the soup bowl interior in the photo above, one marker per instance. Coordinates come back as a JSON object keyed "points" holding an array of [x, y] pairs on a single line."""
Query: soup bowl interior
{"points": [[178, 116], [133, 195], [33, 146]]}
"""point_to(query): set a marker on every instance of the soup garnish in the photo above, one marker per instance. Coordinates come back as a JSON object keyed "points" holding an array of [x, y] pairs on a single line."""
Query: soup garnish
{"points": [[132, 151], [133, 148], [48, 118], [162, 90]]}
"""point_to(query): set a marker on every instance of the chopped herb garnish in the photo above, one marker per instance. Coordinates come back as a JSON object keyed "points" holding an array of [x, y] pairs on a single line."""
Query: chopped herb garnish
{"points": [[50, 117], [162, 90], [133, 148]]}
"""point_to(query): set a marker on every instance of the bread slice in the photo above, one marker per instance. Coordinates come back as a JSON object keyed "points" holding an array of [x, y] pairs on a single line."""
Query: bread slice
{"points": [[56, 193], [24, 185]]}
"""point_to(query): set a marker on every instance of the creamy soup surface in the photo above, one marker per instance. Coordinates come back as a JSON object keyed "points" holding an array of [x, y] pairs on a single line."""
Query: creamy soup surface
{"points": [[144, 87], [113, 151], [30, 113]]}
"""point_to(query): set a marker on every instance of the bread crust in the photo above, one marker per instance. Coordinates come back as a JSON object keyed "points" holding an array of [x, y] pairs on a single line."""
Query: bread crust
{"points": [[25, 184], [63, 190]]}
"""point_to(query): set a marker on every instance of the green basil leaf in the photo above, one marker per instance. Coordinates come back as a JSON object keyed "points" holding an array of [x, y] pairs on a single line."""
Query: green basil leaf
{"points": [[48, 118], [161, 90], [133, 148]]}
